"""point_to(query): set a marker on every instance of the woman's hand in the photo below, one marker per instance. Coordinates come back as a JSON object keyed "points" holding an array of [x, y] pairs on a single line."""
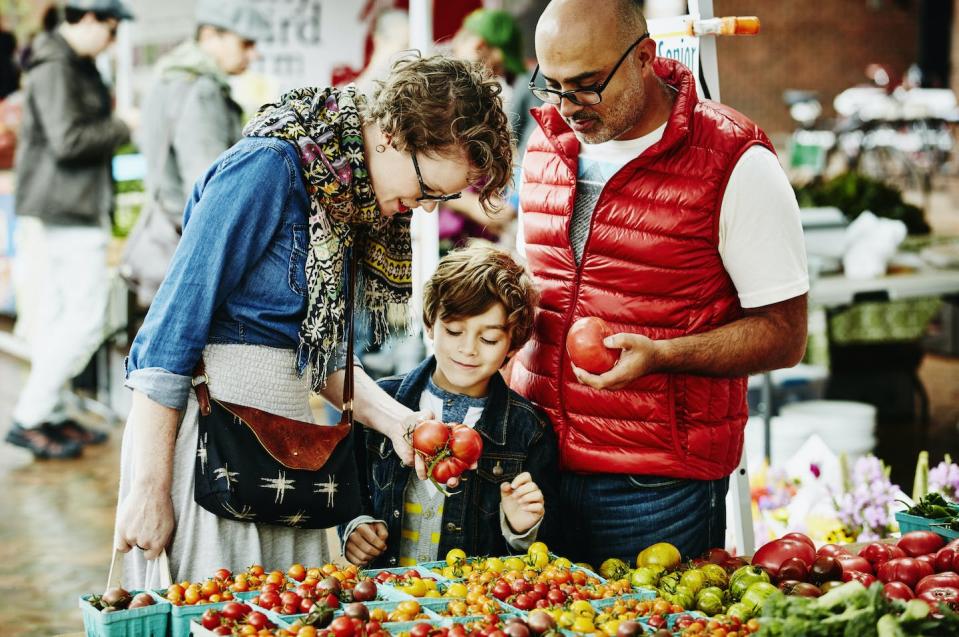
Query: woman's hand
{"points": [[145, 521], [145, 516], [523, 502], [401, 438], [366, 543]]}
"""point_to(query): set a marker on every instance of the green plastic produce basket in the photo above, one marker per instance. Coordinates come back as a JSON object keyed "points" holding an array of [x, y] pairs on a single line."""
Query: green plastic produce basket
{"points": [[146, 621]]}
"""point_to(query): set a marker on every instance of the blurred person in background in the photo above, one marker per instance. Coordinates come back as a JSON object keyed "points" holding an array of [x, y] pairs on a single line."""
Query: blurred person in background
{"points": [[493, 38], [64, 197], [189, 118], [391, 34]]}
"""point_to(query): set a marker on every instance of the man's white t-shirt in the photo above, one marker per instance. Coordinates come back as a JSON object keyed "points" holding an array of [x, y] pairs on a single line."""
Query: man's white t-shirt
{"points": [[760, 233]]}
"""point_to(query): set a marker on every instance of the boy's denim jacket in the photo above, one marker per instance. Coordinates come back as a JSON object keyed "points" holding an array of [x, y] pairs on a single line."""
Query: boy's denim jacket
{"points": [[517, 437]]}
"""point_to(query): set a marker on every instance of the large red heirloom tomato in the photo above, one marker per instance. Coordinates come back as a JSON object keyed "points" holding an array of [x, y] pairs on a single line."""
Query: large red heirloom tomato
{"points": [[447, 449], [584, 344]]}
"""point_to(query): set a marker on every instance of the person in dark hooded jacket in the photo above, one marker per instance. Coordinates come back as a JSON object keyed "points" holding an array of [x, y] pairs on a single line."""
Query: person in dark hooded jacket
{"points": [[64, 197]]}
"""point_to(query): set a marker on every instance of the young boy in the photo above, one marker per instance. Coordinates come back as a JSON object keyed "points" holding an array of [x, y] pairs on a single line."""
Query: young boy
{"points": [[478, 310]]}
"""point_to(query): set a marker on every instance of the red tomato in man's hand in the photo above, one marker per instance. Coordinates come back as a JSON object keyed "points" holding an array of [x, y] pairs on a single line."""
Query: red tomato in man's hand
{"points": [[430, 437], [916, 543], [465, 443], [584, 344]]}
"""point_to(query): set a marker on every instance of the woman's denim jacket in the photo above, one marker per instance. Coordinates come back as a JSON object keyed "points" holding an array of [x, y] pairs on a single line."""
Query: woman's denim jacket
{"points": [[239, 273], [517, 437]]}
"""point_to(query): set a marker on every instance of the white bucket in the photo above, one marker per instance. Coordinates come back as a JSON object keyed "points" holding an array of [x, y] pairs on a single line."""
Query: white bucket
{"points": [[845, 426]]}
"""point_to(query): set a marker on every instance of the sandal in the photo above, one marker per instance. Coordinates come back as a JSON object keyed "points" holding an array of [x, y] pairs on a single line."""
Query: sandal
{"points": [[42, 444], [73, 432]]}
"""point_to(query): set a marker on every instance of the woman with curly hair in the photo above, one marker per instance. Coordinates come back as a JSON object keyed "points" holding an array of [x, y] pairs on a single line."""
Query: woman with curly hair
{"points": [[257, 290]]}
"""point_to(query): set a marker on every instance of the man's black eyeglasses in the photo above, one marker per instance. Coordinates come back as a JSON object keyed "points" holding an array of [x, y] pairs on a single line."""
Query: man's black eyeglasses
{"points": [[584, 96], [423, 196]]}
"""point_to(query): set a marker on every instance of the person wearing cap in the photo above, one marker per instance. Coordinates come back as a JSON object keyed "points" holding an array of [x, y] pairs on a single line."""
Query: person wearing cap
{"points": [[491, 37], [190, 116], [64, 197]]}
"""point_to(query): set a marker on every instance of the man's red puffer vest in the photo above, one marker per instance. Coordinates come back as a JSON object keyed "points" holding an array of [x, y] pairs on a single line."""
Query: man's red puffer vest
{"points": [[651, 266]]}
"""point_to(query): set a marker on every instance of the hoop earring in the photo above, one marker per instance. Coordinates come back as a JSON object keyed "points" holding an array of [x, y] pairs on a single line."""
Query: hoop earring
{"points": [[380, 148]]}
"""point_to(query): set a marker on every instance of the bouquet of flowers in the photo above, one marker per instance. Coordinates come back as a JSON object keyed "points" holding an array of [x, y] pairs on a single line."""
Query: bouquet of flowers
{"points": [[867, 505]]}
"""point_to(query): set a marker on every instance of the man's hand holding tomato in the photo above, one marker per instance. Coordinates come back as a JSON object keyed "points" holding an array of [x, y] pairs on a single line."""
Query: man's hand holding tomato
{"points": [[366, 543], [638, 358], [522, 502]]}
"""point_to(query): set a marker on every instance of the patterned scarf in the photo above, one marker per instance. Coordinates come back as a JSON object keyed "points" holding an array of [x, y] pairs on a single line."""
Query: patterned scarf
{"points": [[327, 129]]}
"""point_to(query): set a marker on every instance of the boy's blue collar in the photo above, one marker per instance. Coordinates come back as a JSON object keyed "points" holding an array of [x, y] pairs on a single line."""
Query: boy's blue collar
{"points": [[442, 394]]}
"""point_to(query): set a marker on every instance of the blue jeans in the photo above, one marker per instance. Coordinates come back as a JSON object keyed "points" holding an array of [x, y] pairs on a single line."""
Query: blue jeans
{"points": [[611, 515]]}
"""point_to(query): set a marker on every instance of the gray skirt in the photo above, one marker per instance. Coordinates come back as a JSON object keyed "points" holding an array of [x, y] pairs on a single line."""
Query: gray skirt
{"points": [[251, 375]]}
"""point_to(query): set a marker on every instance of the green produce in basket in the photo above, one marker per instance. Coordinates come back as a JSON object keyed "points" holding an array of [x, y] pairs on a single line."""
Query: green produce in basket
{"points": [[933, 506], [852, 610]]}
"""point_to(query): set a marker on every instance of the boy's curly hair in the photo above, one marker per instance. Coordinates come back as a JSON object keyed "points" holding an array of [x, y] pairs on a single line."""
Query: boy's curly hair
{"points": [[434, 103], [468, 281]]}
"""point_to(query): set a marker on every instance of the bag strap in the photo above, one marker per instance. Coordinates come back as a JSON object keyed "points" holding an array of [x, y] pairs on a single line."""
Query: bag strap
{"points": [[346, 416], [200, 379]]}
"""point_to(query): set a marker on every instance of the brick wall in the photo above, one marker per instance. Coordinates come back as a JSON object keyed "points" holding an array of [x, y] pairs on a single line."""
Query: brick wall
{"points": [[821, 45]]}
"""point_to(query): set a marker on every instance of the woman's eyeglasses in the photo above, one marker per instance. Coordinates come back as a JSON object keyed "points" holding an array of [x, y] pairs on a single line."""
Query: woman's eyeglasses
{"points": [[423, 196]]}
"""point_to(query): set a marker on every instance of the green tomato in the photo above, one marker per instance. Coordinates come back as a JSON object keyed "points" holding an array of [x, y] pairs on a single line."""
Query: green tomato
{"points": [[669, 582], [710, 600], [682, 596], [614, 569], [693, 579], [644, 576], [739, 611], [716, 575], [756, 595], [743, 578]]}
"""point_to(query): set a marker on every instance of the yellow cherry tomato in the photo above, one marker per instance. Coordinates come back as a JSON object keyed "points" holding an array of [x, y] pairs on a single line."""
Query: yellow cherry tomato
{"points": [[514, 564], [457, 589], [583, 625], [455, 556], [537, 547]]}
